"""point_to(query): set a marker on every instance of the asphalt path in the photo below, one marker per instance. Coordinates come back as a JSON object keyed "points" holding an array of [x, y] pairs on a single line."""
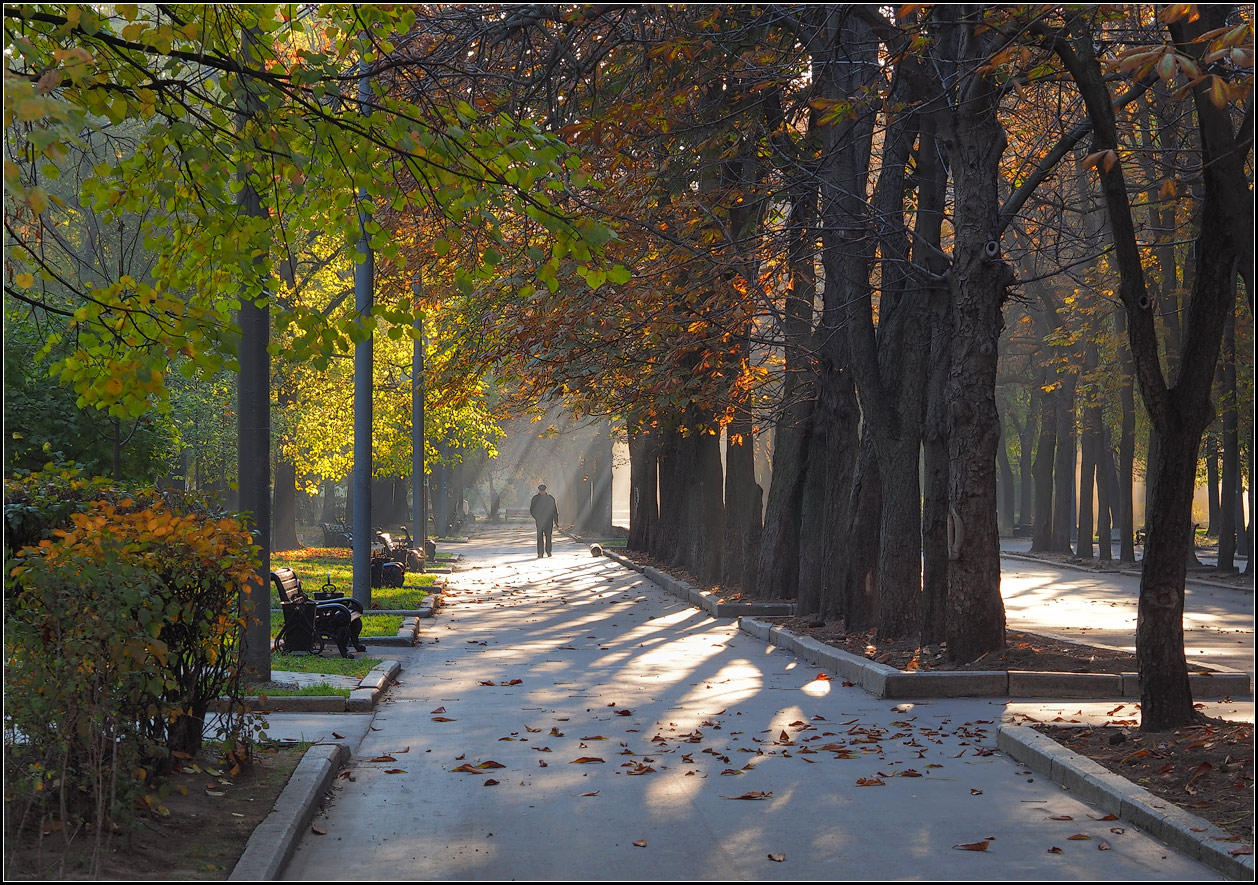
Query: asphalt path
{"points": [[1100, 608], [564, 718]]}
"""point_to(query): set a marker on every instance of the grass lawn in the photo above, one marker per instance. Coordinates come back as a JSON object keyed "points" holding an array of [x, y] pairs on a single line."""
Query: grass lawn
{"points": [[330, 666], [319, 566], [318, 690]]}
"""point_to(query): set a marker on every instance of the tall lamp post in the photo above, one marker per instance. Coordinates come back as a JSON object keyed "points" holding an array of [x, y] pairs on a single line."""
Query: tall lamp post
{"points": [[419, 481]]}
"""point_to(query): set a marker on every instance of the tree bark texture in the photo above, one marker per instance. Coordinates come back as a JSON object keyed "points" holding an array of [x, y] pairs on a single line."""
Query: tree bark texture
{"points": [[285, 508], [644, 509], [979, 278]]}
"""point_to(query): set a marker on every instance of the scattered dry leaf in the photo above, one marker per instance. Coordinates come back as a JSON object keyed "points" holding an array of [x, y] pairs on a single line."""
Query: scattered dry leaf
{"points": [[972, 846], [582, 760], [777, 858], [754, 794], [318, 831], [639, 843]]}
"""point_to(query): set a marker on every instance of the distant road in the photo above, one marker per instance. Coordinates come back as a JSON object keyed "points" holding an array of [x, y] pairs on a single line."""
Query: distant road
{"points": [[1101, 609]]}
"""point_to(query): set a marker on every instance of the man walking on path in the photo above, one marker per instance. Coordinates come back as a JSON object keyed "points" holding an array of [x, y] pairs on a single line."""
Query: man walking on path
{"points": [[545, 513]]}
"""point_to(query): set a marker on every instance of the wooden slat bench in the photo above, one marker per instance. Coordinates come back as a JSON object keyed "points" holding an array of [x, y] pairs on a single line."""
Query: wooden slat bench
{"points": [[335, 619]]}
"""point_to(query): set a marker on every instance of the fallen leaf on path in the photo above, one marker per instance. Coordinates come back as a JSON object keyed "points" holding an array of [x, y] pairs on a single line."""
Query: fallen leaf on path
{"points": [[384, 759], [594, 737], [515, 682], [1102, 845], [971, 846], [488, 682], [438, 710], [623, 712], [1060, 817], [641, 769], [1055, 850], [582, 760], [974, 792], [755, 794], [490, 783], [443, 719], [777, 858], [591, 793], [339, 737], [1079, 837], [1104, 817], [869, 782], [318, 831], [640, 843], [395, 771]]}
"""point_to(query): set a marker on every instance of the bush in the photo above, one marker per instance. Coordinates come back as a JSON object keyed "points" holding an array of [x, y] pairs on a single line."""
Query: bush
{"points": [[122, 626]]}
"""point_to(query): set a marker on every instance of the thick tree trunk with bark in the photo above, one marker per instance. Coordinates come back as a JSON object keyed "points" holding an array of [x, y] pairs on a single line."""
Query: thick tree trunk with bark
{"points": [[644, 510], [1180, 412], [285, 507], [979, 279], [743, 504]]}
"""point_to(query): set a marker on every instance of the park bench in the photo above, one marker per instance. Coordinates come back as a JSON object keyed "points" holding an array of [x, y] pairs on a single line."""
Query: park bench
{"points": [[329, 617], [335, 535], [518, 513]]}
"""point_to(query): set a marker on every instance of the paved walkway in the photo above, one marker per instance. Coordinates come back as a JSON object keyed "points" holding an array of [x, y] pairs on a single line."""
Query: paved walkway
{"points": [[566, 719]]}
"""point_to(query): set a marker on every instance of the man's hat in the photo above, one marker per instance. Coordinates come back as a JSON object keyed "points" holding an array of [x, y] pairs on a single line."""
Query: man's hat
{"points": [[542, 487]]}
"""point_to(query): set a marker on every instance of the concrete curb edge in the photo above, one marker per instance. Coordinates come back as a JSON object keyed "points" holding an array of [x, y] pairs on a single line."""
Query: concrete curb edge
{"points": [[272, 843], [1183, 831]]}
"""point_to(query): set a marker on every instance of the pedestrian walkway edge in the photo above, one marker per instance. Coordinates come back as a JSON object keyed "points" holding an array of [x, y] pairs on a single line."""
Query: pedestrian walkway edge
{"points": [[272, 843], [1093, 783]]}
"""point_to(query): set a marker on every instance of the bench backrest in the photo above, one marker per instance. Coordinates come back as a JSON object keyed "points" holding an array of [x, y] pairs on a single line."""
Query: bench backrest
{"points": [[286, 583]]}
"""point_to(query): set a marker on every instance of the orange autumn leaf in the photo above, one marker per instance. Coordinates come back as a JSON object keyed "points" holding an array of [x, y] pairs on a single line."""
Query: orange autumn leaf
{"points": [[490, 783], [318, 831], [583, 760], [384, 759], [1055, 850], [395, 771], [869, 782], [972, 846], [639, 843], [1079, 837], [443, 719]]}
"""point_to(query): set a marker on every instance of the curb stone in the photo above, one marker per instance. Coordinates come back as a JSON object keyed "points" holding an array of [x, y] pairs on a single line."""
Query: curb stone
{"points": [[1093, 783], [272, 843], [883, 681], [361, 699]]}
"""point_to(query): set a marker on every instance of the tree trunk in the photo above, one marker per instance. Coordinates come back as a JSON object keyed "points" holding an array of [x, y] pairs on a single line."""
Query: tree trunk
{"points": [[979, 279], [1212, 482], [1228, 523], [1064, 466], [285, 537], [743, 503], [1042, 469], [1104, 492], [858, 598], [644, 511]]}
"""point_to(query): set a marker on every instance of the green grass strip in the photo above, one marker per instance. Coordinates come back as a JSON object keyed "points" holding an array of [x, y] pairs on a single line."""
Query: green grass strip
{"points": [[333, 665]]}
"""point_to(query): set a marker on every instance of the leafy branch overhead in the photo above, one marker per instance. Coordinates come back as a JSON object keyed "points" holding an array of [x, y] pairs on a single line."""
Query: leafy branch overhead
{"points": [[137, 110]]}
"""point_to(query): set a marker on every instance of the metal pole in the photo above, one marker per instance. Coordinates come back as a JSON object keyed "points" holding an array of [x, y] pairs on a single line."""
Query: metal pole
{"points": [[364, 272], [253, 412], [419, 482]]}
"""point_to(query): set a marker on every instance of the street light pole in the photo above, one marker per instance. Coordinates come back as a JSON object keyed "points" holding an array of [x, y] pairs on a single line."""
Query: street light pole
{"points": [[419, 480]]}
